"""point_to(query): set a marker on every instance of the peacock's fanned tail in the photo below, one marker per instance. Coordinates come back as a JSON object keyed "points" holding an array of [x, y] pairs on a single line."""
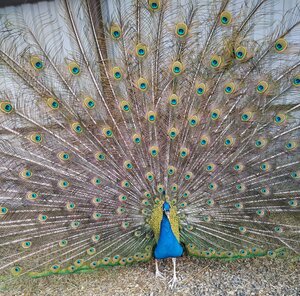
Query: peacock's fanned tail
{"points": [[108, 108]]}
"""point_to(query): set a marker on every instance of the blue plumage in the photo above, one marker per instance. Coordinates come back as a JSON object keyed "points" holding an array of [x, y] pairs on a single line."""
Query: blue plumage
{"points": [[167, 245]]}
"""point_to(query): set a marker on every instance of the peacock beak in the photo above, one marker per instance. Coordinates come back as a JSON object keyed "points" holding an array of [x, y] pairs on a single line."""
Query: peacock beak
{"points": [[167, 214]]}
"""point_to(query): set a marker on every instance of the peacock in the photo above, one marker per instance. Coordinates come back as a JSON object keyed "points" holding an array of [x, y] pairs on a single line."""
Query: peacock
{"points": [[142, 129]]}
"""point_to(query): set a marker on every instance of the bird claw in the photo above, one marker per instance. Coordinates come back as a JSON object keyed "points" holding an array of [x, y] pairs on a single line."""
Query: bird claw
{"points": [[158, 274], [173, 282]]}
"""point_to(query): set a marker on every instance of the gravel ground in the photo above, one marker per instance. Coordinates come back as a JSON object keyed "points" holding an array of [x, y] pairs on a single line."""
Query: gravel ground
{"points": [[261, 276]]}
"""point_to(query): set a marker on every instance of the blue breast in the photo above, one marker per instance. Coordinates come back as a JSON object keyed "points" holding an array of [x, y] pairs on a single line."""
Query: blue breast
{"points": [[167, 245]]}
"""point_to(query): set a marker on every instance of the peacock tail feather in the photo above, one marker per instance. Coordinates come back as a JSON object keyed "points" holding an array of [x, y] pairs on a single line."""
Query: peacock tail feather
{"points": [[109, 108]]}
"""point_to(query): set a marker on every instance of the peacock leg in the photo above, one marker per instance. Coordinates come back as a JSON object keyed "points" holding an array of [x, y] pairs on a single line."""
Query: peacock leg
{"points": [[158, 274], [174, 280]]}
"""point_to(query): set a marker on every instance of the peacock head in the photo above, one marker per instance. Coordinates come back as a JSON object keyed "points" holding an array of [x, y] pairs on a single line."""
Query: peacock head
{"points": [[166, 208]]}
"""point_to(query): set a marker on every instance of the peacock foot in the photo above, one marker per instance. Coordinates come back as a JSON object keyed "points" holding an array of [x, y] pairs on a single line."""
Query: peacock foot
{"points": [[158, 274], [173, 282]]}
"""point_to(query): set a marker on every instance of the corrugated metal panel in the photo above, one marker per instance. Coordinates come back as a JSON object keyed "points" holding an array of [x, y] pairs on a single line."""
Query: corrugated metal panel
{"points": [[4, 3]]}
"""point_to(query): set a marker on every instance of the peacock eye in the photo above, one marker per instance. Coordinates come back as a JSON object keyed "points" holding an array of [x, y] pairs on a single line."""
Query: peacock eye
{"points": [[8, 107], [296, 81], [280, 118], [74, 68], [193, 120], [262, 87], [281, 45], [115, 32], [76, 127], [37, 63], [295, 175], [154, 5], [225, 18], [215, 114], [142, 84], [36, 138], [177, 68], [214, 63], [3, 210]]}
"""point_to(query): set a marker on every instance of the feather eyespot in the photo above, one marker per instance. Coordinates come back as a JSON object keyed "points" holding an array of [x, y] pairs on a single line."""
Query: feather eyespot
{"points": [[174, 187], [142, 84], [238, 167], [137, 139], [31, 195], [210, 202], [212, 186], [204, 140], [151, 116], [265, 191], [154, 5], [115, 32], [193, 120], [36, 138], [171, 170], [150, 176], [76, 127], [260, 142], [16, 270], [53, 103], [262, 87], [125, 106], [95, 238], [173, 100], [260, 213], [25, 174], [63, 184], [26, 244], [117, 73], [229, 88], [96, 181], [210, 167], [42, 218], [188, 176], [229, 141], [100, 156], [291, 145], [181, 30], [89, 103], [295, 175], [107, 132], [141, 50], [177, 68], [3, 210], [173, 132], [201, 89], [37, 63], [125, 184], [241, 53], [280, 45], [242, 229], [74, 68], [225, 18], [279, 118], [215, 114], [296, 81], [246, 116], [183, 152], [127, 165], [6, 107]]}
